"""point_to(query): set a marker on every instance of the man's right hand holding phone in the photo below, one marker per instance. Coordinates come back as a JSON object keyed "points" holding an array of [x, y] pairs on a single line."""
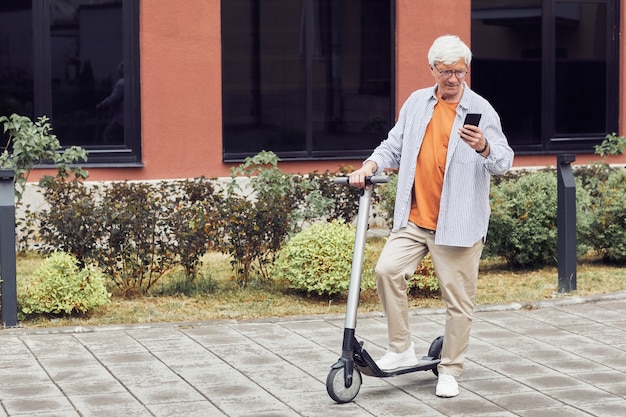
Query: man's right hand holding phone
{"points": [[473, 135]]}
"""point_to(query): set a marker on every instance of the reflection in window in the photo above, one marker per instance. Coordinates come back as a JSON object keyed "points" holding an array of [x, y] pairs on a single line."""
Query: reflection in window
{"points": [[87, 78], [64, 59], [506, 67], [581, 68], [16, 58], [549, 68], [307, 78]]}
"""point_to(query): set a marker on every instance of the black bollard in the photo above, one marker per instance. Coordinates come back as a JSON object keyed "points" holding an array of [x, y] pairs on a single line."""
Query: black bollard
{"points": [[566, 221], [8, 312]]}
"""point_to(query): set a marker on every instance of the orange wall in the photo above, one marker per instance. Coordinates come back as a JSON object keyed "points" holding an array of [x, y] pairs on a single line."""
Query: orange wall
{"points": [[181, 85]]}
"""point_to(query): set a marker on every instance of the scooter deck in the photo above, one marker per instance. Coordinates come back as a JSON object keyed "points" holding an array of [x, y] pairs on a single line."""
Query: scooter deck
{"points": [[367, 366], [424, 364]]}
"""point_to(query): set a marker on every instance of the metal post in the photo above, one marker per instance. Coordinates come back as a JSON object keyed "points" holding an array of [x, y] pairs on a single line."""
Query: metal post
{"points": [[8, 312], [566, 222]]}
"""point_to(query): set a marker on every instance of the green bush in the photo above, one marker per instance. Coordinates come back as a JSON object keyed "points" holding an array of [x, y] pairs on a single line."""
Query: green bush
{"points": [[193, 208], [319, 259], [60, 286], [138, 231], [523, 223], [256, 219], [594, 175], [135, 232], [387, 198], [609, 224]]}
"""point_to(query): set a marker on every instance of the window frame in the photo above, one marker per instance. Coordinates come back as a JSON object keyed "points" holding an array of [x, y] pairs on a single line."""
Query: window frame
{"points": [[550, 140], [547, 140], [130, 153], [312, 154]]}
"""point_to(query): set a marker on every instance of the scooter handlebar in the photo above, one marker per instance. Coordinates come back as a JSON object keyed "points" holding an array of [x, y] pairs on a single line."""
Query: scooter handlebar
{"points": [[375, 179]]}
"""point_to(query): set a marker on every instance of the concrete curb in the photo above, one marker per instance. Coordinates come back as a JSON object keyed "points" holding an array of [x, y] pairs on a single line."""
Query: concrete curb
{"points": [[556, 302]]}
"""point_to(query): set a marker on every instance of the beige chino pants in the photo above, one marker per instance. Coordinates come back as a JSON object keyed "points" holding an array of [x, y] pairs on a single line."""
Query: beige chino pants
{"points": [[457, 272]]}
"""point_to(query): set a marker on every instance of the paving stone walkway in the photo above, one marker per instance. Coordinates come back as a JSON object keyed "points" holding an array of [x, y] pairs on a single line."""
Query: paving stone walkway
{"points": [[565, 357]]}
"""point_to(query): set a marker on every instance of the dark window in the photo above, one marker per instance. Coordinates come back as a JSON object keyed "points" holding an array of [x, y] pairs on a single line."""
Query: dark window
{"points": [[77, 63], [16, 58], [550, 69], [306, 78]]}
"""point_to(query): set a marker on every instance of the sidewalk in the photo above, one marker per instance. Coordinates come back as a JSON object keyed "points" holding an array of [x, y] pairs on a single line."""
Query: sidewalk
{"points": [[565, 357]]}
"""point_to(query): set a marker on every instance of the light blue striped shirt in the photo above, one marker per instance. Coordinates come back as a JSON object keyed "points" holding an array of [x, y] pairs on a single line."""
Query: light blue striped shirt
{"points": [[464, 207]]}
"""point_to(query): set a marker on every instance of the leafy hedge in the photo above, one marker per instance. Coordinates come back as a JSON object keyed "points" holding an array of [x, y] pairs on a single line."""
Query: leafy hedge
{"points": [[136, 232]]}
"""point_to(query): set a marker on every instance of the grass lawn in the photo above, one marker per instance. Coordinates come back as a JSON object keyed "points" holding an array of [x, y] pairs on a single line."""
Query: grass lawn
{"points": [[217, 296]]}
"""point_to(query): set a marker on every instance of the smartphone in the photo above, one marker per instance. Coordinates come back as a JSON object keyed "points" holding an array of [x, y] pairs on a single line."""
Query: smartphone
{"points": [[472, 119]]}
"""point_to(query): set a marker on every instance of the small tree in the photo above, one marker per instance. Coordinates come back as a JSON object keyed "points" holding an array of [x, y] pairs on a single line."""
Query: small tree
{"points": [[256, 219], [30, 144]]}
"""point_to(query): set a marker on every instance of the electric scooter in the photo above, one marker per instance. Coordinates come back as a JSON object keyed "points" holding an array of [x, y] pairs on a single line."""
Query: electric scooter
{"points": [[344, 379]]}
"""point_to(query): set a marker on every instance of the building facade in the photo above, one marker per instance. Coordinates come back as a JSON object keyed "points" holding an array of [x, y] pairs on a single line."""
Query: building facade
{"points": [[203, 84]]}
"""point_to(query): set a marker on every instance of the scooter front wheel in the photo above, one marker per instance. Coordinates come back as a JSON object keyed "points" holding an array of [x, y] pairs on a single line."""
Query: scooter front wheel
{"points": [[336, 387]]}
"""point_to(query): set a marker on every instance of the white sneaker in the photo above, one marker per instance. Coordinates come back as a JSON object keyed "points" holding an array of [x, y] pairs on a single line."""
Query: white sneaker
{"points": [[394, 360], [447, 386]]}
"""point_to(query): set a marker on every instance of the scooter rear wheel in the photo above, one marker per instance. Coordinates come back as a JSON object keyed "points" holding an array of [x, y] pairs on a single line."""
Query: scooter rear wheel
{"points": [[336, 387]]}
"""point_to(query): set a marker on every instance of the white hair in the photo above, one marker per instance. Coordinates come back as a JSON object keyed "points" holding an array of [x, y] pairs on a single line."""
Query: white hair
{"points": [[447, 50]]}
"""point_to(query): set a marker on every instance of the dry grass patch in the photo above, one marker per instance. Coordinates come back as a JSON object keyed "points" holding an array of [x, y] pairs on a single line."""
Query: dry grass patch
{"points": [[217, 295]]}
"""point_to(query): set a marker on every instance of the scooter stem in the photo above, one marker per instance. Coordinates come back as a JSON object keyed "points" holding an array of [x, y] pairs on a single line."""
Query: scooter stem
{"points": [[362, 224]]}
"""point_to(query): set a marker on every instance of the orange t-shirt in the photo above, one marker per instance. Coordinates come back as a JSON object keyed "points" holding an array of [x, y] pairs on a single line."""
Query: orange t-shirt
{"points": [[431, 165]]}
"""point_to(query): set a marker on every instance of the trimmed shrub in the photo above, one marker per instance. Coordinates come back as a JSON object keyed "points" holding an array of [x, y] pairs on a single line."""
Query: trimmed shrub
{"points": [[523, 223], [319, 260], [59, 286], [71, 223], [387, 194], [609, 224]]}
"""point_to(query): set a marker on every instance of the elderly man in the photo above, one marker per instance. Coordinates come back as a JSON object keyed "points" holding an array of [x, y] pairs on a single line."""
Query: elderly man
{"points": [[442, 203]]}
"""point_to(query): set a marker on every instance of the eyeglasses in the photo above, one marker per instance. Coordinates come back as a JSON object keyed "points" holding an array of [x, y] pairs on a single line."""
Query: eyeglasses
{"points": [[459, 74]]}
